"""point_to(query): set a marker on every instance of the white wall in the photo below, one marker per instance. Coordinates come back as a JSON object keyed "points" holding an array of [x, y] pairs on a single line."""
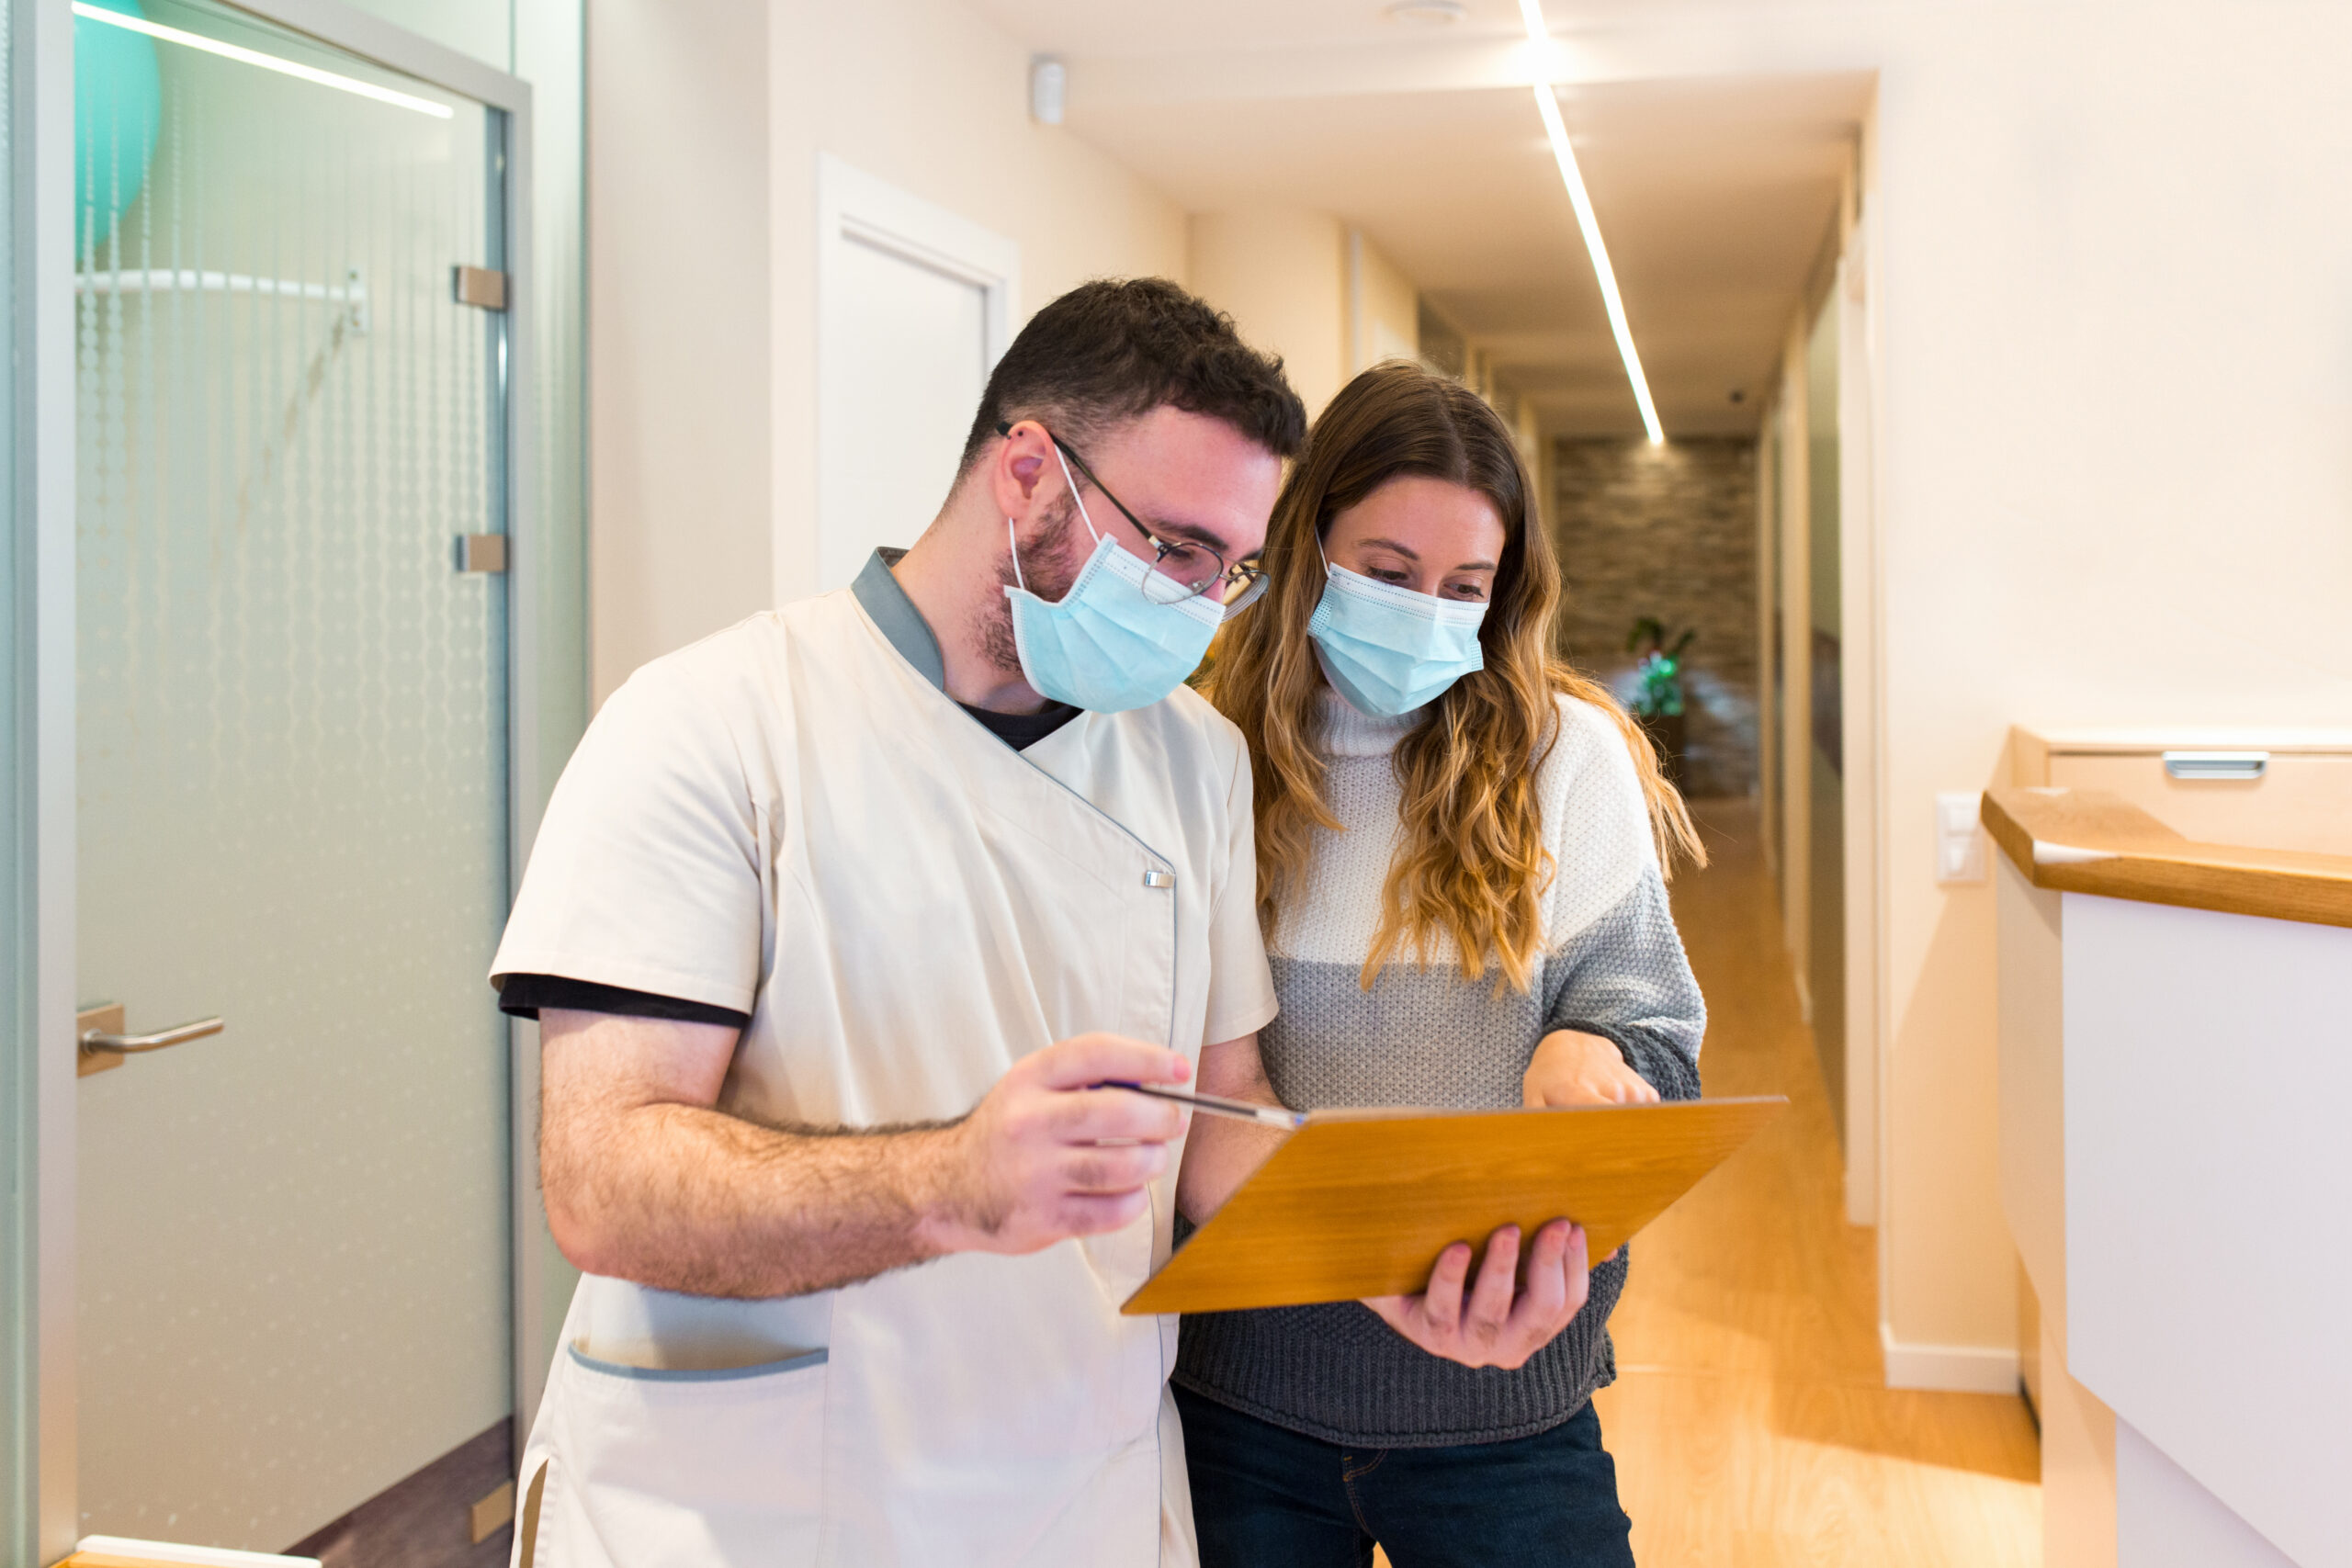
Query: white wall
{"points": [[1282, 273], [1527, 433], [1300, 284], [1793, 744], [707, 118], [2113, 243], [679, 306], [1383, 310]]}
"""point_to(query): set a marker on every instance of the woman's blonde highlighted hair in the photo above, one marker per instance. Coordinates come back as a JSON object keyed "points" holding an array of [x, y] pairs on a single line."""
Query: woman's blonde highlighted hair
{"points": [[1470, 863]]}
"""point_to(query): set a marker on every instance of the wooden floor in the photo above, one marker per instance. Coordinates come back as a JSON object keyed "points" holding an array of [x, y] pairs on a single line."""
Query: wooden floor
{"points": [[1750, 1420]]}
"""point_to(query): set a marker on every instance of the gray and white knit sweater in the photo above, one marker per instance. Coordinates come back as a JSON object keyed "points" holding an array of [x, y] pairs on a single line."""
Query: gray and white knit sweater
{"points": [[1612, 964]]}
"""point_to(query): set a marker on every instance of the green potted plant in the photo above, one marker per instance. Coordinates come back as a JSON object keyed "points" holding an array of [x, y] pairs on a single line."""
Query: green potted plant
{"points": [[1659, 698]]}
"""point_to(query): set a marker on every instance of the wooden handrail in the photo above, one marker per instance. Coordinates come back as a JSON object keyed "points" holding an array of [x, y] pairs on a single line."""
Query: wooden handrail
{"points": [[2087, 841]]}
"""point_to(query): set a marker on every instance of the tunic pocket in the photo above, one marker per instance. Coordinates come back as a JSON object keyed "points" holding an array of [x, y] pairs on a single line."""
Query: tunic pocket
{"points": [[662, 1469]]}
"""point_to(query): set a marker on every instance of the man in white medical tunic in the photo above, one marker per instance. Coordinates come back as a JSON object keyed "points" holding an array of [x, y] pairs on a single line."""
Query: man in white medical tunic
{"points": [[836, 923]]}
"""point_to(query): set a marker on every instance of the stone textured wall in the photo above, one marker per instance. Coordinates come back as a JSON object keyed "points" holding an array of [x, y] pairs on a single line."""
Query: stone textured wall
{"points": [[1668, 531]]}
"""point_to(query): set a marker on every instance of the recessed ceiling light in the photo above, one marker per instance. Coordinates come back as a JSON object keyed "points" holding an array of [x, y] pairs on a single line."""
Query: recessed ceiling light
{"points": [[1437, 13], [1547, 107]]}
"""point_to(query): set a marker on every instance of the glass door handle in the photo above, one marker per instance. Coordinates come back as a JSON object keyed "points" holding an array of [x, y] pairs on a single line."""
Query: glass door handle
{"points": [[102, 1043]]}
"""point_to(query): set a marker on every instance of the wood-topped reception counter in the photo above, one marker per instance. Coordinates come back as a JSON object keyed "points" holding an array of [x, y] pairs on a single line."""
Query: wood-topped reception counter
{"points": [[2175, 1059]]}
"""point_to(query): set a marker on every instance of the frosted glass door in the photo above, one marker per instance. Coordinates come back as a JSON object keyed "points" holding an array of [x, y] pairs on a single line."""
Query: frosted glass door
{"points": [[292, 778]]}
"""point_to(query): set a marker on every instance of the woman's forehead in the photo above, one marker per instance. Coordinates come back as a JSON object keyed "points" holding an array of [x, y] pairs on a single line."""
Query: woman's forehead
{"points": [[1425, 519]]}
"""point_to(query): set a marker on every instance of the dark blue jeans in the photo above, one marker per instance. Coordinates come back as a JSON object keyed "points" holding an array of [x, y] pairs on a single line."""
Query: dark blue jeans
{"points": [[1264, 1496]]}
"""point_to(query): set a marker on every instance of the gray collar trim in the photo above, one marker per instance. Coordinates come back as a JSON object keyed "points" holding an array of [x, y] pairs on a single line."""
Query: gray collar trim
{"points": [[878, 592]]}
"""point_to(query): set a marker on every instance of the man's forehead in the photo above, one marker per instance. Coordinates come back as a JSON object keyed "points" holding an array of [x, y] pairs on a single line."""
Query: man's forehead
{"points": [[1198, 477]]}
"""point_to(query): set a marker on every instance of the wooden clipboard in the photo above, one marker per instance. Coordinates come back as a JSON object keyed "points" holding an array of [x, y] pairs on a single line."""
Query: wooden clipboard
{"points": [[1361, 1202]]}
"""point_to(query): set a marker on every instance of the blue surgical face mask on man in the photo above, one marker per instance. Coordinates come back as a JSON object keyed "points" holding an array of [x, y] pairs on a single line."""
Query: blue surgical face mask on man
{"points": [[1390, 650], [1106, 647]]}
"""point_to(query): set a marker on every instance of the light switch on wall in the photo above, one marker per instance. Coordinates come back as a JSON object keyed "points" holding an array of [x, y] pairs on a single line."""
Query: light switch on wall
{"points": [[1959, 841]]}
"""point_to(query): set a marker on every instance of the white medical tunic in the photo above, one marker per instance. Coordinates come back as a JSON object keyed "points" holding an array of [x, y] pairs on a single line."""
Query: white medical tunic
{"points": [[793, 821]]}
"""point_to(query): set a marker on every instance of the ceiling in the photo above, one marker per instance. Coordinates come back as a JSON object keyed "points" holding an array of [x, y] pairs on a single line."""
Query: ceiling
{"points": [[1144, 29], [1714, 195]]}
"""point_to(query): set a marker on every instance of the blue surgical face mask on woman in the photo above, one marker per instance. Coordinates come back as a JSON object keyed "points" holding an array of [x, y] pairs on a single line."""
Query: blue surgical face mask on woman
{"points": [[1106, 647], [1390, 650]]}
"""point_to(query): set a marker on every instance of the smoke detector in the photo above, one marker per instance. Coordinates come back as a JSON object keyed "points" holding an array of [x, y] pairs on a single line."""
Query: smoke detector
{"points": [[1049, 89]]}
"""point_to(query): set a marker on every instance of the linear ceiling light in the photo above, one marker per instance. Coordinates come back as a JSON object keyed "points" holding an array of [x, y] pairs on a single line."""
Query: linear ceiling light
{"points": [[266, 61], [1547, 103]]}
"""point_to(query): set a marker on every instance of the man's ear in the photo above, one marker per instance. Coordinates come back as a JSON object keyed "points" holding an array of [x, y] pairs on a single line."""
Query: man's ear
{"points": [[1018, 465]]}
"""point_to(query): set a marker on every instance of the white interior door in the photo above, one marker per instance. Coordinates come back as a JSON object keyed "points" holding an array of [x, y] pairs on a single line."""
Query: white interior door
{"points": [[914, 349], [914, 307]]}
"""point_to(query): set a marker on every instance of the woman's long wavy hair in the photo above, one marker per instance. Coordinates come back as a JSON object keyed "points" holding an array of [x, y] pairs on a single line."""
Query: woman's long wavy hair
{"points": [[1471, 862]]}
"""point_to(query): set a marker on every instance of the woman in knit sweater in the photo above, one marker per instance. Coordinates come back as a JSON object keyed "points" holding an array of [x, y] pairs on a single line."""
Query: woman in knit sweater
{"points": [[1462, 887]]}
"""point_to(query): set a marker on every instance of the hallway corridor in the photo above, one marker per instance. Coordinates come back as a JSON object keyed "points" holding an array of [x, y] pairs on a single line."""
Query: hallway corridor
{"points": [[1750, 1419]]}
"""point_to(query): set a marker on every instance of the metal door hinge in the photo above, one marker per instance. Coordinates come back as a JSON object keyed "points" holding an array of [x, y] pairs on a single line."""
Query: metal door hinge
{"points": [[479, 285], [481, 552]]}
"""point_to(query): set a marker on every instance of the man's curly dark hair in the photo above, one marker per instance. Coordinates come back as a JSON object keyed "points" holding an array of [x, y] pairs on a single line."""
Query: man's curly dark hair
{"points": [[1113, 350]]}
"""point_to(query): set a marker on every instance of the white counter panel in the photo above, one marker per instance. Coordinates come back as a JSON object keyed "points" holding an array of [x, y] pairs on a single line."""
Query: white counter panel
{"points": [[2163, 1519], [2209, 1201]]}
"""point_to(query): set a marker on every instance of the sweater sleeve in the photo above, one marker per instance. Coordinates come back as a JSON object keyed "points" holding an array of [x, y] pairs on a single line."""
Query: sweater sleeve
{"points": [[1615, 965], [1625, 979]]}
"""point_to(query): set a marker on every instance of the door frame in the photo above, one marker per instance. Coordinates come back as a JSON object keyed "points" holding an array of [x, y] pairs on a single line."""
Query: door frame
{"points": [[41, 1512], [852, 205]]}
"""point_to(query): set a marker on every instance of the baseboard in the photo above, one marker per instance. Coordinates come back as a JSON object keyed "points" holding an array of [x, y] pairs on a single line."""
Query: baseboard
{"points": [[1954, 1368], [1861, 1195]]}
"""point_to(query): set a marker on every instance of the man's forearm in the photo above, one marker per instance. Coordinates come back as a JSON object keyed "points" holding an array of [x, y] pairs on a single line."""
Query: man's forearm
{"points": [[647, 1181], [688, 1199]]}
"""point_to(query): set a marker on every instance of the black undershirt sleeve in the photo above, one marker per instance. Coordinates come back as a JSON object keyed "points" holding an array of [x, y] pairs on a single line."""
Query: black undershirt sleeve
{"points": [[523, 995]]}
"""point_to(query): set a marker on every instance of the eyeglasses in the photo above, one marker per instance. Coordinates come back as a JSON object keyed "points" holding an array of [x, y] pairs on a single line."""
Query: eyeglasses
{"points": [[1182, 568]]}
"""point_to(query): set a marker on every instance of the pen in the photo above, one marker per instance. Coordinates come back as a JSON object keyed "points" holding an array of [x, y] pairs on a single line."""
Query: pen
{"points": [[1216, 1105]]}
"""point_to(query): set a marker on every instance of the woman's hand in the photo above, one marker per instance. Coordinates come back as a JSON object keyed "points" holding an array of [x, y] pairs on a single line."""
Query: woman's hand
{"points": [[1570, 1068], [1491, 1328]]}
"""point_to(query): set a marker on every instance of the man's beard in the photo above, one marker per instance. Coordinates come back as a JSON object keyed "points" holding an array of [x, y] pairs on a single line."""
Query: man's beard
{"points": [[1044, 568]]}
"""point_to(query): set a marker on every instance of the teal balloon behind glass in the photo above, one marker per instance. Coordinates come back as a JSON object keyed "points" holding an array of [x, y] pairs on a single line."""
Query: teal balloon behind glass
{"points": [[118, 111]]}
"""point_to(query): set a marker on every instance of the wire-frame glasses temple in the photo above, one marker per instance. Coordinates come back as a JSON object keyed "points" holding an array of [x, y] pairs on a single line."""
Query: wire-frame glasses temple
{"points": [[1234, 587]]}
